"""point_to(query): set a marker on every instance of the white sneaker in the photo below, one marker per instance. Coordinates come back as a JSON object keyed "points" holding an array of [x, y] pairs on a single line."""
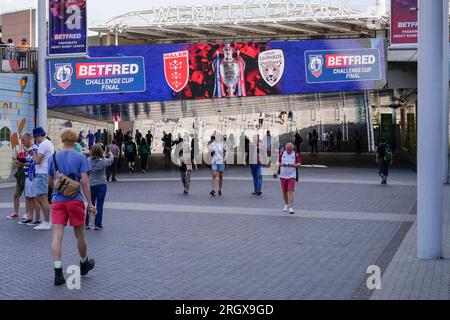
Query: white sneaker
{"points": [[286, 208], [44, 226], [291, 211]]}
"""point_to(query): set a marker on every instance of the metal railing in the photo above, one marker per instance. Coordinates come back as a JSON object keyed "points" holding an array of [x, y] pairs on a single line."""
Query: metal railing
{"points": [[16, 59]]}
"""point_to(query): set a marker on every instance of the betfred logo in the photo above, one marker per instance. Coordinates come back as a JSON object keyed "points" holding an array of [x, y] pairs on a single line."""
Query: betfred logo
{"points": [[347, 60], [105, 70]]}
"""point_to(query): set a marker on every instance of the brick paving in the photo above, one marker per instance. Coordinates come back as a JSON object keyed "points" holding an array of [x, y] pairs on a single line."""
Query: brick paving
{"points": [[410, 278], [233, 247]]}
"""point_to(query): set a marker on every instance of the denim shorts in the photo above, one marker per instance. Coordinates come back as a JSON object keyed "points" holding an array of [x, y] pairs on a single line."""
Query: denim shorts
{"points": [[218, 167], [30, 190], [41, 184]]}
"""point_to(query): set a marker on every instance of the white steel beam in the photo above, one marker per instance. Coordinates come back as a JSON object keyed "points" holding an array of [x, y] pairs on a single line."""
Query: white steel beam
{"points": [[292, 28], [251, 29]]}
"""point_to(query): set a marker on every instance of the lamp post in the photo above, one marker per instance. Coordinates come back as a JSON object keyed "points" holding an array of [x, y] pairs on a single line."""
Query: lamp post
{"points": [[42, 65], [431, 96]]}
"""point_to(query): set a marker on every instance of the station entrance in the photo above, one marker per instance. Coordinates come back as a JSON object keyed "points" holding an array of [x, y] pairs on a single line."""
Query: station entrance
{"points": [[338, 116]]}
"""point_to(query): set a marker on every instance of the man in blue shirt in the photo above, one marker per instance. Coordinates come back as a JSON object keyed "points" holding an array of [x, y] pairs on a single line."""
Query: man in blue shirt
{"points": [[64, 209]]}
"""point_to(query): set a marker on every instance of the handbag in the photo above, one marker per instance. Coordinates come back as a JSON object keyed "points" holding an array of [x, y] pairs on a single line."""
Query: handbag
{"points": [[65, 185]]}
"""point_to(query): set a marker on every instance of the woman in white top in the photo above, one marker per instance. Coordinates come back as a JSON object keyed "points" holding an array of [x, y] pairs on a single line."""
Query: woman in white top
{"points": [[218, 150]]}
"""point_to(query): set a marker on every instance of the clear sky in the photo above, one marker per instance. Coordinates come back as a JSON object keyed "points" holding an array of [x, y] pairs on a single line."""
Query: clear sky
{"points": [[105, 9]]}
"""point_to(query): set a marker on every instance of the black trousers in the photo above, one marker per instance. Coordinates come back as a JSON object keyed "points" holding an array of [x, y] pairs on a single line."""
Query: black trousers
{"points": [[112, 170], [314, 146], [144, 162]]}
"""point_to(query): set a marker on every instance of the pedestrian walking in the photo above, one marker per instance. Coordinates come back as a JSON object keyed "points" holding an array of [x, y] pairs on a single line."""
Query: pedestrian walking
{"points": [[339, 139], [127, 137], [331, 140], [288, 164], [111, 171], [384, 158], [105, 137], [149, 138], [186, 163], [298, 140], [70, 207], [357, 139], [309, 138], [98, 136], [22, 163], [268, 143], [91, 139], [167, 148], [218, 151], [33, 217], [144, 153], [97, 181], [130, 154], [40, 183], [19, 175], [81, 138], [325, 137], [314, 142], [253, 158], [138, 137], [119, 139]]}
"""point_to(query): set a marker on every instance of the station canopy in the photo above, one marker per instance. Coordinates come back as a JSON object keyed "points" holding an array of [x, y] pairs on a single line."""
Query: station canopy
{"points": [[247, 21]]}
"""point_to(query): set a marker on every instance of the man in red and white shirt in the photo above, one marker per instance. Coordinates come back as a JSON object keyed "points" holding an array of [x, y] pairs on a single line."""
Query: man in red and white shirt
{"points": [[288, 162]]}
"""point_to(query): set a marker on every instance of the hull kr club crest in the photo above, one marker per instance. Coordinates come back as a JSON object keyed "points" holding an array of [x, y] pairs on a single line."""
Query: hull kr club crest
{"points": [[271, 66], [315, 65], [63, 75], [176, 69]]}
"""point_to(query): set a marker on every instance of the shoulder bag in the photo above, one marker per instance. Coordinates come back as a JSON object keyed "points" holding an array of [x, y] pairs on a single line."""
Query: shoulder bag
{"points": [[66, 186]]}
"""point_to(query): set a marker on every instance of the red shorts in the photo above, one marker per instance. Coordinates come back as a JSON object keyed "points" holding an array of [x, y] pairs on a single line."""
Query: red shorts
{"points": [[74, 211], [288, 185]]}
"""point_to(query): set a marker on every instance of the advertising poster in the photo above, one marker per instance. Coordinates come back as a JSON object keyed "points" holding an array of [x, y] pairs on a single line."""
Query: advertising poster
{"points": [[67, 27], [228, 70], [97, 76], [342, 65], [404, 22]]}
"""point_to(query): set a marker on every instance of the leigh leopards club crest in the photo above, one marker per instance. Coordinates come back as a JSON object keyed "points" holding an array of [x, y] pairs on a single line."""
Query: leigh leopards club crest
{"points": [[271, 66], [63, 75], [315, 65], [176, 69]]}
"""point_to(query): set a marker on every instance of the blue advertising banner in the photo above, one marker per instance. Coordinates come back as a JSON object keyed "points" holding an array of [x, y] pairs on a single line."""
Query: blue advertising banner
{"points": [[97, 76], [67, 27], [244, 69], [342, 65]]}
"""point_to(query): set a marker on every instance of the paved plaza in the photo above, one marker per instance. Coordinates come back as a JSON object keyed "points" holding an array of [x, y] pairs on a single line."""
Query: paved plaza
{"points": [[159, 244]]}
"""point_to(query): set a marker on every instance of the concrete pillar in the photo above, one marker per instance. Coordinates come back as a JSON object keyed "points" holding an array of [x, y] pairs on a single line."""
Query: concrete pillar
{"points": [[42, 64], [429, 167], [445, 76]]}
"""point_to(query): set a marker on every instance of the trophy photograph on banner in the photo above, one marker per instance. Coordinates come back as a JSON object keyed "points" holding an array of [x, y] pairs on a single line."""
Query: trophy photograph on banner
{"points": [[230, 73], [222, 70]]}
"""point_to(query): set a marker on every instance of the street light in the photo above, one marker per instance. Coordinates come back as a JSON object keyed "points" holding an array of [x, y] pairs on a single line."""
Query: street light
{"points": [[42, 65]]}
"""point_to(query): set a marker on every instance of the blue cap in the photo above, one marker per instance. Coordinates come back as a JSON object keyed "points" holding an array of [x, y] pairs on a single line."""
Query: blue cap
{"points": [[39, 132]]}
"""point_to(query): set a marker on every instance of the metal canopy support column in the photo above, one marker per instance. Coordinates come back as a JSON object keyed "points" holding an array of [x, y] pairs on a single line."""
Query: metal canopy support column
{"points": [[42, 69], [445, 115], [429, 173]]}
